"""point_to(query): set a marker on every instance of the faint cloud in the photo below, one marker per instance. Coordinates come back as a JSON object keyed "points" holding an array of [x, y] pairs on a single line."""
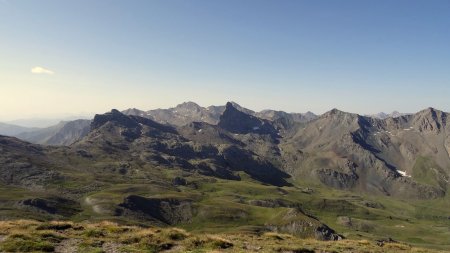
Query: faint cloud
{"points": [[41, 70]]}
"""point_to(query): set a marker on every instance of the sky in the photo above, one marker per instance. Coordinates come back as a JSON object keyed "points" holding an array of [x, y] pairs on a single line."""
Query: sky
{"points": [[61, 57]]}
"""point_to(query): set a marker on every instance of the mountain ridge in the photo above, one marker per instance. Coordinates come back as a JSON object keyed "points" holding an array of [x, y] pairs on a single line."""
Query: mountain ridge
{"points": [[187, 112], [338, 172]]}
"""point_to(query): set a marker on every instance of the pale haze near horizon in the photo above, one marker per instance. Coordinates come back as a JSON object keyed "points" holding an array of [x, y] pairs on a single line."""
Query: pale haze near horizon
{"points": [[61, 58]]}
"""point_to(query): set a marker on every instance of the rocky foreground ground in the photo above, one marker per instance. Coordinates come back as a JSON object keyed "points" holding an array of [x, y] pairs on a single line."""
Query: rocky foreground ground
{"points": [[33, 236]]}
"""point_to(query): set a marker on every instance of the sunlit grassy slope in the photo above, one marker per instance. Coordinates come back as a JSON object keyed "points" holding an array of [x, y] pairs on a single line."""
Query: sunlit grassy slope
{"points": [[32, 236]]}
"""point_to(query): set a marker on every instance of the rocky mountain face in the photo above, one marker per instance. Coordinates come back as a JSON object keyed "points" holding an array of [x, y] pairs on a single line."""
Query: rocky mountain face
{"points": [[165, 145], [405, 156], [349, 151], [238, 122], [137, 152], [130, 167]]}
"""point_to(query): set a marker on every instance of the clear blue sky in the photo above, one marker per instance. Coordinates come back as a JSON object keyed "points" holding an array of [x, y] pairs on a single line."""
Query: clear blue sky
{"points": [[358, 56]]}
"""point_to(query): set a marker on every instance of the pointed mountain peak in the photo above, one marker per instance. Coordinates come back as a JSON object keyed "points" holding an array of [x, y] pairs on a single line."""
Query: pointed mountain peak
{"points": [[230, 106], [115, 111], [336, 111], [239, 108], [234, 107], [336, 116], [232, 112], [236, 121], [429, 110], [430, 120], [189, 105], [235, 104]]}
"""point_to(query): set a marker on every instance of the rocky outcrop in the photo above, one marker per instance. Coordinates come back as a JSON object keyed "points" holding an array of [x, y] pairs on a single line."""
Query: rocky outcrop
{"points": [[295, 222], [337, 179], [53, 205], [165, 210], [327, 234]]}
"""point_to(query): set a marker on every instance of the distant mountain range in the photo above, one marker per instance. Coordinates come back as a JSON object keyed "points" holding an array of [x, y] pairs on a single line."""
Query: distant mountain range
{"points": [[343, 150], [13, 130], [32, 130], [383, 115], [188, 112], [36, 122], [229, 166], [67, 132], [63, 133]]}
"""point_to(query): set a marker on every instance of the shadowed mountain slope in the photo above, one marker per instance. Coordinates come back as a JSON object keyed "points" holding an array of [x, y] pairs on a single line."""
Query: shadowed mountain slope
{"points": [[165, 146], [348, 151], [244, 173]]}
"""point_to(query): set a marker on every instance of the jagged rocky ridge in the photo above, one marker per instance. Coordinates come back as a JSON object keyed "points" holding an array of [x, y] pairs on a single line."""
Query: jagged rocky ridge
{"points": [[166, 145], [404, 157], [189, 112], [68, 132], [341, 150]]}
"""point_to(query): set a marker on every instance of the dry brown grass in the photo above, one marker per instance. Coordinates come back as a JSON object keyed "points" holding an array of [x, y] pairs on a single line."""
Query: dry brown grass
{"points": [[27, 236]]}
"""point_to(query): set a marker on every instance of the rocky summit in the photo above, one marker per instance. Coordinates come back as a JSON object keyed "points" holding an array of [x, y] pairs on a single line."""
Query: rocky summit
{"points": [[229, 169]]}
